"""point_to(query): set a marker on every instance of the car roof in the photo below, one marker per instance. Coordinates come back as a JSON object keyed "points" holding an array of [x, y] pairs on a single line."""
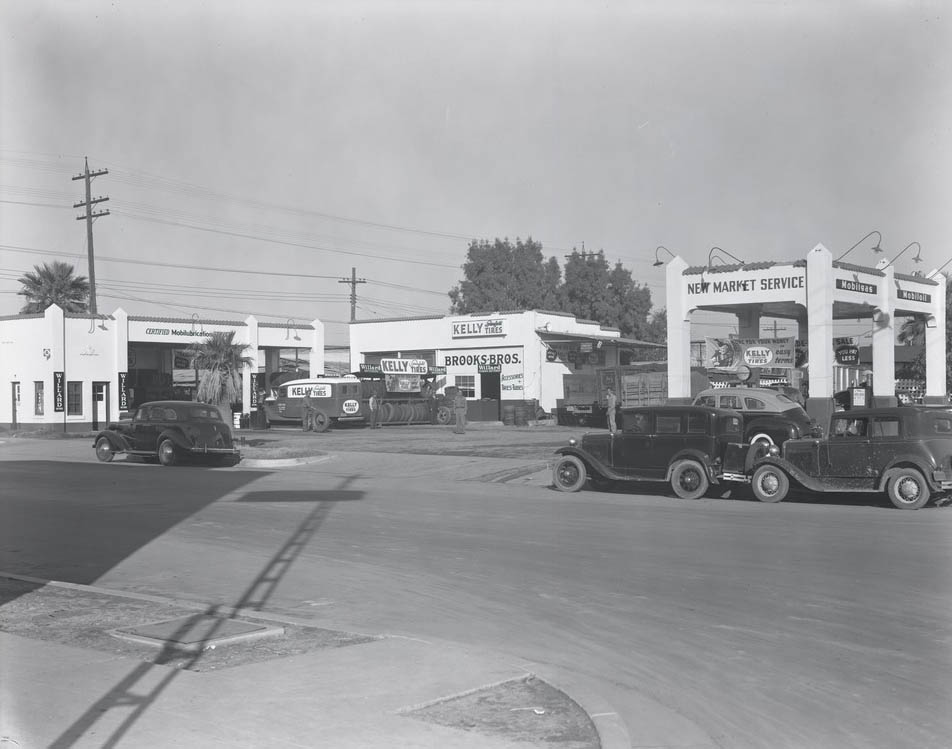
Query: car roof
{"points": [[739, 389], [855, 413], [175, 403], [680, 409]]}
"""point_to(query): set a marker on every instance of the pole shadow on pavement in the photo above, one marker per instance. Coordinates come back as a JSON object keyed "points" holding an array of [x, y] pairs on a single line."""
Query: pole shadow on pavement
{"points": [[255, 597]]}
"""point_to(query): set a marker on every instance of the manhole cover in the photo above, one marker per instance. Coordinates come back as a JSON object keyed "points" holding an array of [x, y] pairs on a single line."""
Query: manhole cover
{"points": [[197, 632]]}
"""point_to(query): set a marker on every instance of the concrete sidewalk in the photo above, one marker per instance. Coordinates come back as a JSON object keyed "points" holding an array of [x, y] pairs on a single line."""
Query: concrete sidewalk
{"points": [[380, 692]]}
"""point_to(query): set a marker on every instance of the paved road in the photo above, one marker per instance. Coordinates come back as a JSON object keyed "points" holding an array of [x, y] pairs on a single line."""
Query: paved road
{"points": [[791, 625]]}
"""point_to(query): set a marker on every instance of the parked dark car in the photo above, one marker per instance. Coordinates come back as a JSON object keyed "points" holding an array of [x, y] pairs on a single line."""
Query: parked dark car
{"points": [[769, 416], [904, 451], [170, 431], [691, 447]]}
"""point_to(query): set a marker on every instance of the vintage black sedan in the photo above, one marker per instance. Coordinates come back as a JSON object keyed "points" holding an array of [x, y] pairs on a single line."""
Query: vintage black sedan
{"points": [[170, 432], [692, 447], [905, 452]]}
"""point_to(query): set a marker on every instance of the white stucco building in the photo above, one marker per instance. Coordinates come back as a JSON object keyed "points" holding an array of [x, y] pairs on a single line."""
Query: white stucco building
{"points": [[76, 372], [515, 356]]}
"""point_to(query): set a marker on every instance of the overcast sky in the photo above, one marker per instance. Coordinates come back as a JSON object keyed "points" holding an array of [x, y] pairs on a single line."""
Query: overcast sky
{"points": [[257, 151]]}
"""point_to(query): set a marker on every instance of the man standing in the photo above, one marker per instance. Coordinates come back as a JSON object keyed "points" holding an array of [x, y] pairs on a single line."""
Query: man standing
{"points": [[459, 409], [611, 402], [308, 407], [374, 405]]}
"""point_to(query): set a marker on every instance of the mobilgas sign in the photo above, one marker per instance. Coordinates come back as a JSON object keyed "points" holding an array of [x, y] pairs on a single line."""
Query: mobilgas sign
{"points": [[860, 287], [475, 328], [403, 366]]}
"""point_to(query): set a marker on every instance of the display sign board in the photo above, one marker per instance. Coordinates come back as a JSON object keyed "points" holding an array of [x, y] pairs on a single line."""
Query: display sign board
{"points": [[59, 391], [749, 286], [403, 383], [856, 286], [403, 366], [123, 392], [733, 354], [477, 328], [254, 389], [913, 296], [321, 390]]}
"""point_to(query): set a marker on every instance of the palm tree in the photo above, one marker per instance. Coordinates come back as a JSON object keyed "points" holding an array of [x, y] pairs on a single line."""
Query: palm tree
{"points": [[913, 331], [220, 359], [54, 283]]}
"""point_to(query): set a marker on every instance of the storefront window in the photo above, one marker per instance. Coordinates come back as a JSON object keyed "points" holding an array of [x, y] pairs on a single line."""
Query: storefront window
{"points": [[38, 398], [467, 384], [74, 398]]}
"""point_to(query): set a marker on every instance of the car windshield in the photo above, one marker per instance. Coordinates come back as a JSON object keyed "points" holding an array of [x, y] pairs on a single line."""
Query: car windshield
{"points": [[204, 413]]}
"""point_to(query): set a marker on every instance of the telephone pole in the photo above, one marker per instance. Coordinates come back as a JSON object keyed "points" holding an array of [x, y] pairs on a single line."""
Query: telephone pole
{"points": [[89, 203], [353, 281]]}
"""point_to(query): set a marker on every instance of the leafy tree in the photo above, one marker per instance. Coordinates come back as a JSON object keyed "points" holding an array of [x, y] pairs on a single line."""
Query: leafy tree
{"points": [[501, 275], [657, 327], [54, 283], [220, 361], [592, 291], [913, 331]]}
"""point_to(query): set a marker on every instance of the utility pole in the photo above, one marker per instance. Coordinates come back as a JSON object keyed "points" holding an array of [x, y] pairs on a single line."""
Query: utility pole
{"points": [[89, 203], [353, 281]]}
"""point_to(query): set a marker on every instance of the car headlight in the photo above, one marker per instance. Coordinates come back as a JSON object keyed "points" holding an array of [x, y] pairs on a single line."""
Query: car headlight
{"points": [[572, 442], [773, 450]]}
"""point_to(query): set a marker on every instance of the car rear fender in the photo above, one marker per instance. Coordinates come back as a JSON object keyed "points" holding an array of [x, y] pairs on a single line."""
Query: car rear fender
{"points": [[117, 440], [177, 438], [594, 465], [908, 461], [696, 455], [777, 428]]}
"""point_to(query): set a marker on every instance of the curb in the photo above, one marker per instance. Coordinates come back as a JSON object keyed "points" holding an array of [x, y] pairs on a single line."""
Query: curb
{"points": [[279, 462]]}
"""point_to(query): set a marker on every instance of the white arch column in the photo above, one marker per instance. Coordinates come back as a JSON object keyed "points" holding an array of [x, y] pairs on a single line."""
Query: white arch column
{"points": [[884, 343], [679, 334], [820, 327], [936, 363]]}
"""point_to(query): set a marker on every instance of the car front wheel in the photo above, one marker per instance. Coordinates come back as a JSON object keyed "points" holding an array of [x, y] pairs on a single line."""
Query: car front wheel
{"points": [[104, 450], [167, 453], [689, 480], [770, 484], [568, 474], [907, 488]]}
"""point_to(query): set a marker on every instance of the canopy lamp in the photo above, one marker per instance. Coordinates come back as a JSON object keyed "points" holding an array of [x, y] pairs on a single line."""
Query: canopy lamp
{"points": [[657, 260], [916, 259], [875, 247], [710, 256], [287, 333]]}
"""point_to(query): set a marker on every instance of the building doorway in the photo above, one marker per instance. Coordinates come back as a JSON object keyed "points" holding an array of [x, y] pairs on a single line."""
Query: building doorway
{"points": [[100, 404], [490, 393]]}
